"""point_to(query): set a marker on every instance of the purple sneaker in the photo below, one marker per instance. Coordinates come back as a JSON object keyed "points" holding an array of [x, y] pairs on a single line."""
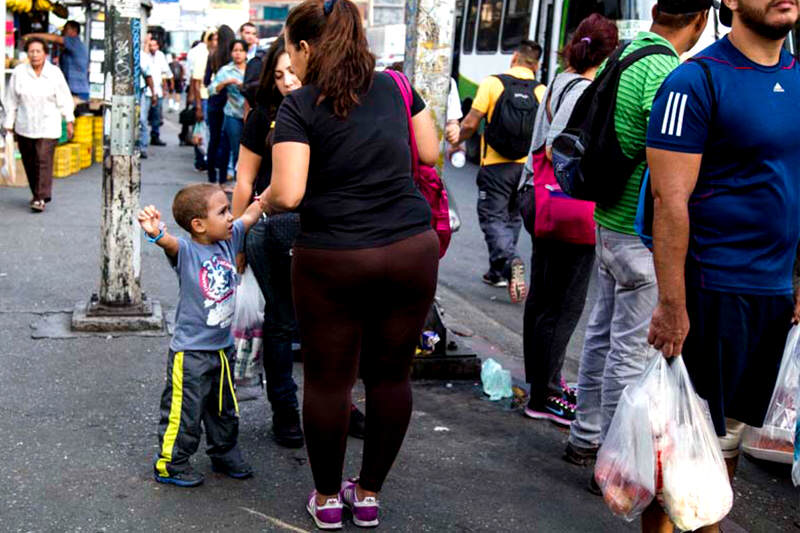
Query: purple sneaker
{"points": [[328, 516], [365, 512]]}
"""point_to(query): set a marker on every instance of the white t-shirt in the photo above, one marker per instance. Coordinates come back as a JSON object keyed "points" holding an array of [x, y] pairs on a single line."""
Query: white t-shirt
{"points": [[453, 102], [156, 66]]}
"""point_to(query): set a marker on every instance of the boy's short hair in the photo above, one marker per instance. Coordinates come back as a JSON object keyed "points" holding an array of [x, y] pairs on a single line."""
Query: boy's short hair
{"points": [[192, 202]]}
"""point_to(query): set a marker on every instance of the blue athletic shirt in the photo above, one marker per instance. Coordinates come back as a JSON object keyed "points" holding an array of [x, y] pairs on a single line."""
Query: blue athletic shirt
{"points": [[744, 213]]}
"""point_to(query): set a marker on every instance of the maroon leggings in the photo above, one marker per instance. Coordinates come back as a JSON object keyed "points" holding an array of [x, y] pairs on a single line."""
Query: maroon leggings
{"points": [[365, 305]]}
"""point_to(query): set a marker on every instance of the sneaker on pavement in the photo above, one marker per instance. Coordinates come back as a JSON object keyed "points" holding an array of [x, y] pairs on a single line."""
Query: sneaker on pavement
{"points": [[286, 430], [578, 455], [328, 516], [236, 470], [365, 512], [187, 478], [517, 289], [570, 394], [156, 141], [554, 409], [494, 280], [358, 423]]}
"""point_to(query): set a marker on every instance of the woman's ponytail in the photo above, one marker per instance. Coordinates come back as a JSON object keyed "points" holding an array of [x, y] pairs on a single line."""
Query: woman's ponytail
{"points": [[341, 65]]}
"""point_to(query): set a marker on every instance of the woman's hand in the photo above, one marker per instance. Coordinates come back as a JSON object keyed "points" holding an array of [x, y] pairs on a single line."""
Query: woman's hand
{"points": [[241, 262], [70, 129]]}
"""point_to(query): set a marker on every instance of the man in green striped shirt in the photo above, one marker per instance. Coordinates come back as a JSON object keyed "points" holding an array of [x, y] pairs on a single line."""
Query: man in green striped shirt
{"points": [[615, 348]]}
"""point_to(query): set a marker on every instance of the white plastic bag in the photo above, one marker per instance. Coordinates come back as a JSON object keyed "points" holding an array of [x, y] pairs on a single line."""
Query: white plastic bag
{"points": [[496, 381], [695, 490], [248, 320], [775, 441], [626, 462]]}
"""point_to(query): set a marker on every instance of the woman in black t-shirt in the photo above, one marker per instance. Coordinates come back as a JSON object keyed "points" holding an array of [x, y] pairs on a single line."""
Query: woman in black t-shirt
{"points": [[365, 262], [269, 244]]}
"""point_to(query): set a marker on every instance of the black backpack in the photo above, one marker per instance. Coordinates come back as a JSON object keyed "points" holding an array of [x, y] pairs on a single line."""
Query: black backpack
{"points": [[511, 128], [588, 161]]}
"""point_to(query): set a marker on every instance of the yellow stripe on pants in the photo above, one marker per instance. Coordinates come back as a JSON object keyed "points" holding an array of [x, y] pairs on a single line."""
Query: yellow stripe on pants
{"points": [[174, 416]]}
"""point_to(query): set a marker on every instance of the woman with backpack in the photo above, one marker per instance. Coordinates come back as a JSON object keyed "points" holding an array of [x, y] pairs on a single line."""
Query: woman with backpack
{"points": [[364, 266], [562, 230]]}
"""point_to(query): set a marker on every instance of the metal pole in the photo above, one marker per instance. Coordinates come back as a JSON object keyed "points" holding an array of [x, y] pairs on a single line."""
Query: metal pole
{"points": [[429, 54], [120, 248]]}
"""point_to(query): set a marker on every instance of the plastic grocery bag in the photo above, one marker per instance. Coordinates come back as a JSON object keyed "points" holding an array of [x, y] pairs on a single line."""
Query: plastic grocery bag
{"points": [[626, 462], [496, 381], [694, 487], [775, 441], [796, 464], [248, 319]]}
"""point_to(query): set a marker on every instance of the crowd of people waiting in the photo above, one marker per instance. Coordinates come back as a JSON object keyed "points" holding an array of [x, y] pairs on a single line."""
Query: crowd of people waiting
{"points": [[329, 231]]}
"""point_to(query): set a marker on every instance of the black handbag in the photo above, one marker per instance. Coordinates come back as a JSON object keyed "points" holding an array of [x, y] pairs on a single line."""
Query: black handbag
{"points": [[188, 116]]}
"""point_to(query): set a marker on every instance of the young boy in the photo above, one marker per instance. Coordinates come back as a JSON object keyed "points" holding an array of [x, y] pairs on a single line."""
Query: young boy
{"points": [[199, 383]]}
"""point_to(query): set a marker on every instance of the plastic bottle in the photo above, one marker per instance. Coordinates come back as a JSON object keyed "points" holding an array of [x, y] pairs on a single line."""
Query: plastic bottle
{"points": [[458, 158]]}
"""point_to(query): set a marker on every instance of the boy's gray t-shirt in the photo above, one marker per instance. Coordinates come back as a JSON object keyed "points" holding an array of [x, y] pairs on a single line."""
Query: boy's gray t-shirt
{"points": [[207, 287]]}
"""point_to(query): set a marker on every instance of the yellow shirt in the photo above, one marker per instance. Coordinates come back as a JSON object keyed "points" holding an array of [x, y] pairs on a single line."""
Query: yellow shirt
{"points": [[489, 91]]}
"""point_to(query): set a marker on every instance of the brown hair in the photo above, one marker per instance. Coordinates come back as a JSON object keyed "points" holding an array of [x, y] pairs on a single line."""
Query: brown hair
{"points": [[593, 41], [341, 65], [192, 202], [32, 40]]}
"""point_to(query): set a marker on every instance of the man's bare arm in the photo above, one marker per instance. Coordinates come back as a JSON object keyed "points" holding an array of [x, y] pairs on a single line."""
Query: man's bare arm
{"points": [[470, 124]]}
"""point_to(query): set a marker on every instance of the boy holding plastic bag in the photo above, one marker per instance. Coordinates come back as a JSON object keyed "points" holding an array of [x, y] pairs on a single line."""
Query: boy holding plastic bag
{"points": [[727, 218]]}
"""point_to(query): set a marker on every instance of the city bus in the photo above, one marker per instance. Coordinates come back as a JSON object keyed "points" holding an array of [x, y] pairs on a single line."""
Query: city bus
{"points": [[488, 31]]}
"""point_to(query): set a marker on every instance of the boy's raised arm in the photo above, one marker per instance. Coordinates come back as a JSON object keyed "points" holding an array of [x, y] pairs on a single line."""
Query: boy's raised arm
{"points": [[150, 221], [250, 216]]}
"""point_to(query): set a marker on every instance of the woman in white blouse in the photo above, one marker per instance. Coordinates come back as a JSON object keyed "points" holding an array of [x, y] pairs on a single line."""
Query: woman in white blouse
{"points": [[36, 99]]}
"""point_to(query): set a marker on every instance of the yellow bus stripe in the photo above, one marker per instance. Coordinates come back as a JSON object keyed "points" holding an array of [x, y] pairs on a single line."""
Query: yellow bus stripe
{"points": [[174, 416]]}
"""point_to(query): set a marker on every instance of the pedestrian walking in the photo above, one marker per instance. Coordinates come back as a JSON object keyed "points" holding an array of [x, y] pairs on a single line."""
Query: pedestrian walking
{"points": [[37, 98], [560, 268], [154, 63], [197, 59], [341, 146], [724, 149], [503, 153], [218, 154], [230, 78], [73, 59], [615, 346], [199, 384]]}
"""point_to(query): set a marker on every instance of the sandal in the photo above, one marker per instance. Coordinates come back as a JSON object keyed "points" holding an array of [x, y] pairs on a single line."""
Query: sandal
{"points": [[37, 206]]}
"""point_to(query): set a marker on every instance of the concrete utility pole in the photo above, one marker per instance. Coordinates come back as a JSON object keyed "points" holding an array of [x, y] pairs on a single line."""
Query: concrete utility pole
{"points": [[121, 304], [429, 54]]}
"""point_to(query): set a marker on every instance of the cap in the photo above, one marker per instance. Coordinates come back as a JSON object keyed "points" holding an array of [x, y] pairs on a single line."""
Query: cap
{"points": [[680, 7], [725, 14]]}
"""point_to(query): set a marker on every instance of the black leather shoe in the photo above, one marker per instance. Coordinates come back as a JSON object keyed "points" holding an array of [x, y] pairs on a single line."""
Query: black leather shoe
{"points": [[155, 141], [286, 430], [240, 470], [358, 423], [579, 456], [143, 155]]}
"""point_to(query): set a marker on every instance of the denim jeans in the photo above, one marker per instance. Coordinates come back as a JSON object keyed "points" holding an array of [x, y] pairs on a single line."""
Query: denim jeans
{"points": [[150, 115], [273, 272], [560, 273], [615, 348], [498, 213], [219, 151], [233, 126]]}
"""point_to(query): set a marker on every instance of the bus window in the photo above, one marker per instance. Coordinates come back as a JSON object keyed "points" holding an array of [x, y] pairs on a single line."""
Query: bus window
{"points": [[457, 35], [515, 24], [489, 25], [469, 28]]}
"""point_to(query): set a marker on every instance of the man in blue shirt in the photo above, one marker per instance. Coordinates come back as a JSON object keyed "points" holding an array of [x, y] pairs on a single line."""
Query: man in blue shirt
{"points": [[723, 147], [73, 60]]}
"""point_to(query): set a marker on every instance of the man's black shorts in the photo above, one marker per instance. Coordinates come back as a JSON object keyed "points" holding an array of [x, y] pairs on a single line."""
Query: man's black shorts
{"points": [[734, 350]]}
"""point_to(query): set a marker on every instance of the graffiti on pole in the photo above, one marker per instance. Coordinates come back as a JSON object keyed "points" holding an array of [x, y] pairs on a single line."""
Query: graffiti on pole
{"points": [[128, 8], [136, 37]]}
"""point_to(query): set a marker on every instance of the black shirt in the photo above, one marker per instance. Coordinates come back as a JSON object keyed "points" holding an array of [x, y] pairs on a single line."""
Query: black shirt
{"points": [[360, 191], [255, 138]]}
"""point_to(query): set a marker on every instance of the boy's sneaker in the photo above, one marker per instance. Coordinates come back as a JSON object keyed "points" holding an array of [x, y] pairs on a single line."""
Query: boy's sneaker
{"points": [[554, 409], [490, 278], [578, 455], [238, 470], [187, 478], [517, 289], [328, 516], [570, 394], [365, 512]]}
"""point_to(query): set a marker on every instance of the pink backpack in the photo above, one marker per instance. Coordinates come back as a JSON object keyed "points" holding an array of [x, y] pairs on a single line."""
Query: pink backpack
{"points": [[426, 178]]}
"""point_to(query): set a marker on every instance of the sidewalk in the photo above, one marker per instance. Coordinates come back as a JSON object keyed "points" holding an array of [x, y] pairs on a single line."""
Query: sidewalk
{"points": [[78, 416]]}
